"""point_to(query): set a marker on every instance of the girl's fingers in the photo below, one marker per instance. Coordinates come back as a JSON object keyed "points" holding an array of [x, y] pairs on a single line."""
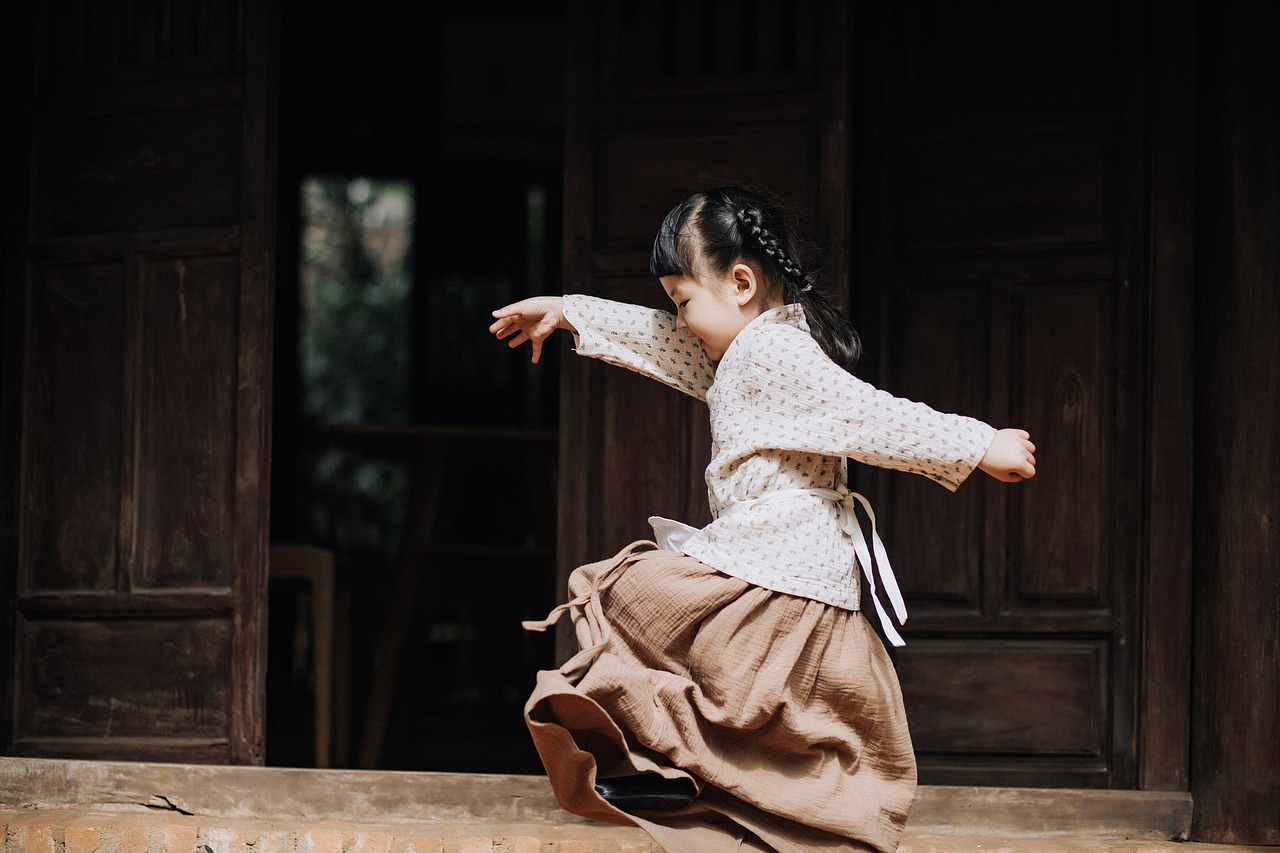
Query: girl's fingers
{"points": [[505, 327], [519, 323]]}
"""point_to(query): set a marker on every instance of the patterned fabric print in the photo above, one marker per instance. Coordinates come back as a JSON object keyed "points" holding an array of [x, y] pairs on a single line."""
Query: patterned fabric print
{"points": [[641, 339], [783, 416]]}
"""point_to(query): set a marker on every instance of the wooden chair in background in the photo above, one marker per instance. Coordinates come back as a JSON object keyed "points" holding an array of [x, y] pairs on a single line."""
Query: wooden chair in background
{"points": [[315, 566]]}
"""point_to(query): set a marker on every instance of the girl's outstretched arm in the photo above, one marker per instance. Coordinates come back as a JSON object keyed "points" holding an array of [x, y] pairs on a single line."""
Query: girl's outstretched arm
{"points": [[1011, 456], [532, 320]]}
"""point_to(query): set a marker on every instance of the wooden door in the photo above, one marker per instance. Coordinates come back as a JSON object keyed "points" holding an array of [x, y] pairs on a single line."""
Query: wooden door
{"points": [[976, 173], [664, 99], [137, 370], [1001, 274]]}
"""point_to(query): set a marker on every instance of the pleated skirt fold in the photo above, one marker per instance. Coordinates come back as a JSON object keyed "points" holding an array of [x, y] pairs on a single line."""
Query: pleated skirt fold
{"points": [[785, 712]]}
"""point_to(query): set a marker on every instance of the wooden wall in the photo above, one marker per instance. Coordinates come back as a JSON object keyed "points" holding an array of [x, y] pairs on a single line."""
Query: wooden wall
{"points": [[1235, 757]]}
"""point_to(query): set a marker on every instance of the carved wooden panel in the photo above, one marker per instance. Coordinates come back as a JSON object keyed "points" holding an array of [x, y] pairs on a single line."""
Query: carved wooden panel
{"points": [[162, 678], [1060, 531], [1003, 697], [645, 175], [962, 56], [186, 488], [972, 192], [74, 427], [126, 41], [172, 169], [645, 434], [943, 368], [637, 415], [699, 48]]}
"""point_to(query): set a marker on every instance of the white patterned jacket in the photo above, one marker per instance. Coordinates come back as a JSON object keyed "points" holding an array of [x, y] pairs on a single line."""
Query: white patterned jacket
{"points": [[784, 418]]}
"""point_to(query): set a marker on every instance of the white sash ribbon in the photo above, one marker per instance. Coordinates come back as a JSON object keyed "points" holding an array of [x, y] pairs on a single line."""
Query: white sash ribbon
{"points": [[671, 535]]}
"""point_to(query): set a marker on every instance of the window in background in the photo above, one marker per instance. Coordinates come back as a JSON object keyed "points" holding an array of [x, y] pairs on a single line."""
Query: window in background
{"points": [[355, 286]]}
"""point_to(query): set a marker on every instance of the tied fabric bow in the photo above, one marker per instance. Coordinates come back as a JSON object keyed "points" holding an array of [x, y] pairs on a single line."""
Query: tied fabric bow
{"points": [[848, 520], [672, 534]]}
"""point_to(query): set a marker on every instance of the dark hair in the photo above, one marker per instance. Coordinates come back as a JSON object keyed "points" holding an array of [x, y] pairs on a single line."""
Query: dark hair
{"points": [[732, 224]]}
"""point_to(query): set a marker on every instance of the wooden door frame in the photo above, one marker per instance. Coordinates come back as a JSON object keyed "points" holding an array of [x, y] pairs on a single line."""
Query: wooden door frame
{"points": [[16, 44], [572, 498], [253, 403], [1164, 629]]}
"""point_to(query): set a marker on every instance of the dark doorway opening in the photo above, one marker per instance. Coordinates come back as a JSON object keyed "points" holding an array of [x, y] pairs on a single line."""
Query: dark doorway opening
{"points": [[458, 110]]}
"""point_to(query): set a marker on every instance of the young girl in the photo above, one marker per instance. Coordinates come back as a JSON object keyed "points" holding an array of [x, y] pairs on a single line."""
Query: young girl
{"points": [[728, 694]]}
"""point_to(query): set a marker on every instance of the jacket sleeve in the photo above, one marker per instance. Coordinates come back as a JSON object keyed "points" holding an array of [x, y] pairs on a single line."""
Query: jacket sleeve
{"points": [[641, 339], [804, 401]]}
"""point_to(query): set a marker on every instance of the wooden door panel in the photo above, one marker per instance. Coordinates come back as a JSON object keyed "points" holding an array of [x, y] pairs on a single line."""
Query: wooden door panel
{"points": [[941, 571], [683, 51], [124, 678], [637, 442], [645, 437], [186, 485], [141, 377], [76, 316], [114, 41], [965, 190], [1060, 543], [997, 283], [643, 176], [1007, 698], [174, 169]]}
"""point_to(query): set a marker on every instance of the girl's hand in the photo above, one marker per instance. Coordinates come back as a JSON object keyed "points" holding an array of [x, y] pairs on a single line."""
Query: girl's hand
{"points": [[533, 320], [1011, 456]]}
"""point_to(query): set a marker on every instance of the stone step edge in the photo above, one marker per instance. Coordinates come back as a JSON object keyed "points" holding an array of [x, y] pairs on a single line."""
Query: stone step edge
{"points": [[396, 797], [78, 831]]}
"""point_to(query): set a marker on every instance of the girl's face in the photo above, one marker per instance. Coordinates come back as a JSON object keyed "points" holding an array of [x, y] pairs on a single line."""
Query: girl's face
{"points": [[715, 309]]}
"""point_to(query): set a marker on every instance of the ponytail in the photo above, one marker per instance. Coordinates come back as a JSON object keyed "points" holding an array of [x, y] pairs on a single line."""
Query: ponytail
{"points": [[831, 329], [730, 224]]}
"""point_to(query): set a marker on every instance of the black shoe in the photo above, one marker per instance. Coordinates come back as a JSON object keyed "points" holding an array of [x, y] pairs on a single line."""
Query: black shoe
{"points": [[647, 792]]}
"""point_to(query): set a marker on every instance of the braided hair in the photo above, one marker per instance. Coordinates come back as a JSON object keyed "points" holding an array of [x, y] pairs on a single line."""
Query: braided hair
{"points": [[727, 225]]}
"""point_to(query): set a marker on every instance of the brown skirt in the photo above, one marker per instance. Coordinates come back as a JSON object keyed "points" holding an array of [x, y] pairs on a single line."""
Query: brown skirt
{"points": [[785, 712]]}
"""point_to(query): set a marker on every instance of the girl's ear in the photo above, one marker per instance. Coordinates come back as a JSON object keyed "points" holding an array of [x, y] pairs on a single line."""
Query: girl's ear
{"points": [[744, 281]]}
